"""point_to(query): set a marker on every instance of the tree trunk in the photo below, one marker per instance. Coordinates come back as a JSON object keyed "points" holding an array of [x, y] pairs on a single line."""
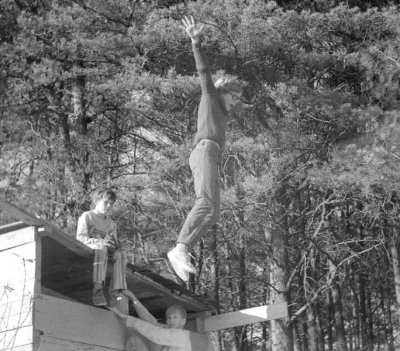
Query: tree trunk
{"points": [[265, 326], [309, 280], [339, 324], [80, 118], [312, 329], [305, 335], [363, 311], [393, 244], [215, 278], [297, 335], [281, 333], [330, 322], [242, 288], [320, 329], [355, 332], [387, 317]]}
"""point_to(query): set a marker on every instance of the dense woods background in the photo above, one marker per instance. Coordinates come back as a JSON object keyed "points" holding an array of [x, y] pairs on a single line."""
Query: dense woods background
{"points": [[98, 93]]}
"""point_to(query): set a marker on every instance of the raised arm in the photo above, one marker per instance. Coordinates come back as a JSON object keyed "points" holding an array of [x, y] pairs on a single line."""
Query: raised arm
{"points": [[165, 336], [142, 311], [160, 334], [194, 30]]}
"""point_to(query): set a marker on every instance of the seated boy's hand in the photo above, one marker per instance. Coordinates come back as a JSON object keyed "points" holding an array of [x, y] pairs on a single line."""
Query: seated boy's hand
{"points": [[110, 242]]}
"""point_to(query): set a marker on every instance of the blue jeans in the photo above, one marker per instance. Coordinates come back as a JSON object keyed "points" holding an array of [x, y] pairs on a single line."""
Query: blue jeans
{"points": [[203, 162]]}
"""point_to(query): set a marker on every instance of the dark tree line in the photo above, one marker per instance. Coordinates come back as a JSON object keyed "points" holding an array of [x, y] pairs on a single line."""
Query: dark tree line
{"points": [[104, 93]]}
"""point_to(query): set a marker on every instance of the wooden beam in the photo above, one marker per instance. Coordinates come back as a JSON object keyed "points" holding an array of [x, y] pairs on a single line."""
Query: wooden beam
{"points": [[46, 229], [19, 213], [7, 228], [49, 228], [17, 238], [27, 347], [58, 344], [78, 323], [247, 316], [17, 284], [11, 339], [187, 302]]}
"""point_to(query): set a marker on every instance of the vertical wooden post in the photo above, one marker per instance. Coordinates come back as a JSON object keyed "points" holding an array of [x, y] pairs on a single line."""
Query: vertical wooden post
{"points": [[19, 282], [200, 324], [37, 287]]}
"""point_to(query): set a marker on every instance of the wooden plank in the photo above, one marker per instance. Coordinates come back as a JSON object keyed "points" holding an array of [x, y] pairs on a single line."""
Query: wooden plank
{"points": [[169, 294], [17, 238], [18, 270], [12, 227], [50, 292], [28, 347], [200, 317], [189, 303], [61, 319], [53, 344], [49, 228], [38, 266], [17, 284], [17, 280], [247, 316], [16, 337], [19, 213], [16, 314]]}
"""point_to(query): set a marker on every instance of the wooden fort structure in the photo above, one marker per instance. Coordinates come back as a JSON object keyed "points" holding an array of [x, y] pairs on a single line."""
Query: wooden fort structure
{"points": [[45, 293]]}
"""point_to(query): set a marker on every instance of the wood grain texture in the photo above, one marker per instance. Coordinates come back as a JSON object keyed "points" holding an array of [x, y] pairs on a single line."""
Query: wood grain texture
{"points": [[247, 316], [60, 319]]}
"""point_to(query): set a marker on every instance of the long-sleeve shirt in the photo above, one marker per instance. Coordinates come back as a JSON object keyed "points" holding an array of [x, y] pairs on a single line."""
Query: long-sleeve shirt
{"points": [[93, 228], [173, 339], [212, 116]]}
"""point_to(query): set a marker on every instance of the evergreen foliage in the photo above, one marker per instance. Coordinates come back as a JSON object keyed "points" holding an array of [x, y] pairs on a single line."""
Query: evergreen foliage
{"points": [[98, 93]]}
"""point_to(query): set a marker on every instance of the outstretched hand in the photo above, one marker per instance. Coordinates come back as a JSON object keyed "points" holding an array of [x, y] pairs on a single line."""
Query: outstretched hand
{"points": [[192, 28], [130, 295]]}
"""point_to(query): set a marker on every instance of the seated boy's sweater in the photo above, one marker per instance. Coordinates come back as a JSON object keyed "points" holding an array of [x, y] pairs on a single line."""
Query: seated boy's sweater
{"points": [[93, 228], [212, 115]]}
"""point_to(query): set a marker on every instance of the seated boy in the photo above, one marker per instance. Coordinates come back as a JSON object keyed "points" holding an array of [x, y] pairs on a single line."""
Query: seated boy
{"points": [[98, 231]]}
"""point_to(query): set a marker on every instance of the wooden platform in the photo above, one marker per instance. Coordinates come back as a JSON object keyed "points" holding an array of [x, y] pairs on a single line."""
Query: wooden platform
{"points": [[46, 287], [66, 269]]}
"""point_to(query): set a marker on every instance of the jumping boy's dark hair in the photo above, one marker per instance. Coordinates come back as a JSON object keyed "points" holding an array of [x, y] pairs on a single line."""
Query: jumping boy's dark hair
{"points": [[103, 195]]}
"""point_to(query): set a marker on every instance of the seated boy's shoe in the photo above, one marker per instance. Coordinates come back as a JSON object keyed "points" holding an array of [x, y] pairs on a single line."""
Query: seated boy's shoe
{"points": [[181, 264], [98, 297]]}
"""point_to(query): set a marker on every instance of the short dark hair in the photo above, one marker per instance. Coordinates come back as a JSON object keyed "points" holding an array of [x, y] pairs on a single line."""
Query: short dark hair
{"points": [[104, 194], [177, 308]]}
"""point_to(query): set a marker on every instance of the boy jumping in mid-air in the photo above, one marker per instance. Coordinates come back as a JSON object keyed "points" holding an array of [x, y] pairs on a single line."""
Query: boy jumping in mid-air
{"points": [[98, 231], [215, 104]]}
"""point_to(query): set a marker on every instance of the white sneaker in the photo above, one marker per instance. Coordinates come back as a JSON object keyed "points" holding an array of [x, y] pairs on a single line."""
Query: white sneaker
{"points": [[181, 264]]}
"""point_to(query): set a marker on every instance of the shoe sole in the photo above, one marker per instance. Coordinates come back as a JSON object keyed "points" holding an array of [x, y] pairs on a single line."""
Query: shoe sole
{"points": [[186, 267], [181, 273]]}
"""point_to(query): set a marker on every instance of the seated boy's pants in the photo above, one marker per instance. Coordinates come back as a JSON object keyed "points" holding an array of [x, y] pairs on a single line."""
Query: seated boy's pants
{"points": [[118, 279]]}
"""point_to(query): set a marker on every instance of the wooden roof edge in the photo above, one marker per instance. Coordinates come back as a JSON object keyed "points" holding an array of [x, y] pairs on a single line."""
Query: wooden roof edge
{"points": [[26, 219], [177, 292], [49, 228], [6, 228]]}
